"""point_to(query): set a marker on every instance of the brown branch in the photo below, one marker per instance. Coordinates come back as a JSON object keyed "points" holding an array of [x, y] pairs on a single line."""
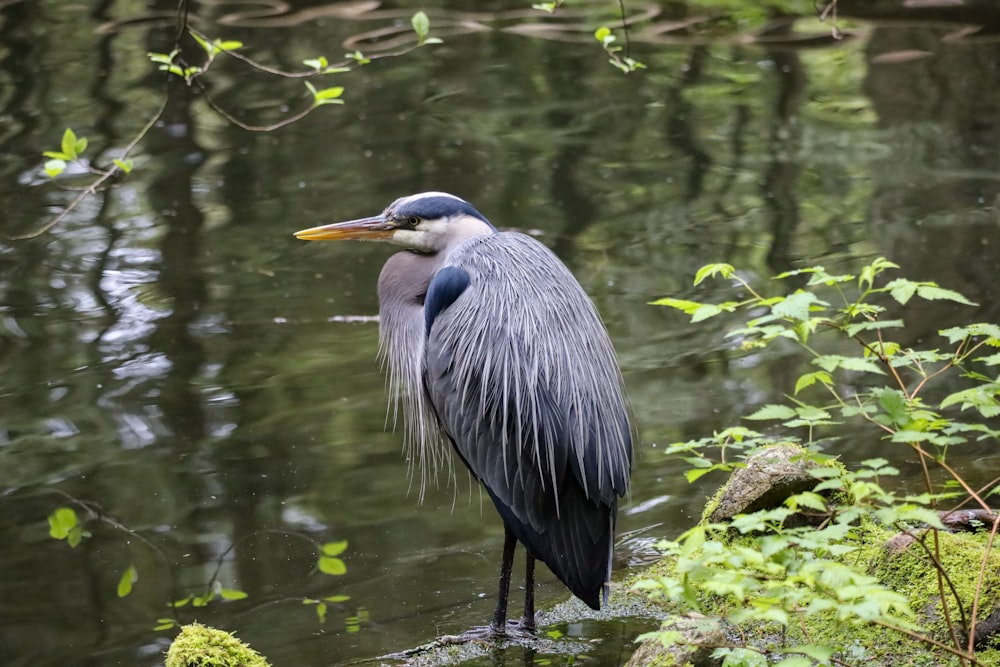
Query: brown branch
{"points": [[961, 655], [958, 478], [979, 583]]}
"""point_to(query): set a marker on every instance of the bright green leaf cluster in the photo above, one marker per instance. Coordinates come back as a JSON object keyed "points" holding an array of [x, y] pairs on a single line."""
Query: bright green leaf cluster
{"points": [[326, 95], [64, 525], [422, 26], [167, 62], [215, 591], [549, 7], [624, 63], [71, 148], [328, 563]]}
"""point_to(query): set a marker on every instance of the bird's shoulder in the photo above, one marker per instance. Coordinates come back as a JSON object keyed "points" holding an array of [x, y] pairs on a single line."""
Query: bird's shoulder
{"points": [[512, 262]]}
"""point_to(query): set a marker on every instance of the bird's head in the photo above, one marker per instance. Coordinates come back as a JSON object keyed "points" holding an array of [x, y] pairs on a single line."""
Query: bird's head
{"points": [[428, 222]]}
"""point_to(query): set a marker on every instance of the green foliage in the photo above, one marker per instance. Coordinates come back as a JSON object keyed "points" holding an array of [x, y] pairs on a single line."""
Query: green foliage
{"points": [[63, 525], [322, 605], [322, 65], [129, 577], [777, 580], [71, 148], [422, 26], [215, 590], [328, 562], [549, 7], [326, 95], [623, 62]]}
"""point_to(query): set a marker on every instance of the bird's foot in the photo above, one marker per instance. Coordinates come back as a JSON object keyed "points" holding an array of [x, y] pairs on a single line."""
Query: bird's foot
{"points": [[524, 628], [520, 630]]}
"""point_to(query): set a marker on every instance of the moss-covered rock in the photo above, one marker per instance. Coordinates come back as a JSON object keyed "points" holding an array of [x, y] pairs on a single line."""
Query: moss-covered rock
{"points": [[201, 646], [698, 638], [917, 565], [766, 480]]}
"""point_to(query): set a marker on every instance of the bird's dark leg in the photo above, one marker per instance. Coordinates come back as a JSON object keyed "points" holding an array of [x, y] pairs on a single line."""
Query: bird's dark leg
{"points": [[528, 620], [499, 625]]}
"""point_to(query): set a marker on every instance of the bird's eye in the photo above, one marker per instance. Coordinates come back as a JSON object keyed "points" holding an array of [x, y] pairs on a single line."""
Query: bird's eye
{"points": [[413, 221]]}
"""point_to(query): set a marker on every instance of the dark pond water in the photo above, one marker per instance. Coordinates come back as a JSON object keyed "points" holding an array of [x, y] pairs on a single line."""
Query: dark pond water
{"points": [[173, 359]]}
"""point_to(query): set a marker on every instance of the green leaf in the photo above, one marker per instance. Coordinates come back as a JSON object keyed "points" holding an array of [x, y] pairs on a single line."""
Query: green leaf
{"points": [[232, 594], [229, 44], [901, 289], [321, 612], [956, 334], [894, 404], [358, 57], [682, 305], [990, 360], [61, 522], [932, 292], [69, 143], [810, 379], [773, 411], [724, 270], [795, 306], [982, 398], [326, 95], [809, 500], [831, 362], [124, 165], [603, 35], [206, 47], [162, 58], [421, 25], [337, 598], [331, 566], [334, 548], [870, 325], [54, 167], [164, 624], [869, 272], [693, 475], [329, 93], [129, 577], [316, 63]]}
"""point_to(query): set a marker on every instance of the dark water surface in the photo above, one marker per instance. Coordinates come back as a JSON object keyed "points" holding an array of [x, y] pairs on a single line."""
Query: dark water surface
{"points": [[173, 358]]}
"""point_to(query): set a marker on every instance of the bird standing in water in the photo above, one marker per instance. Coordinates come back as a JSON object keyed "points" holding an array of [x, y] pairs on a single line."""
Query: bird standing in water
{"points": [[493, 347]]}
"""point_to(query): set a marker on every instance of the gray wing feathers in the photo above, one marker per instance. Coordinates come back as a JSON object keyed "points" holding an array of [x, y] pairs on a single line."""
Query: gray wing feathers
{"points": [[524, 380]]}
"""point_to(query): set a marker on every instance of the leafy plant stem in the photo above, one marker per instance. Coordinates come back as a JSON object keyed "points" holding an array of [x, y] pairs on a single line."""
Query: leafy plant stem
{"points": [[93, 187]]}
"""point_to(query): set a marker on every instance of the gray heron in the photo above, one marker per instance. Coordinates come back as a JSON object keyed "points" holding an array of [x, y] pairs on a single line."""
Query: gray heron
{"points": [[495, 350]]}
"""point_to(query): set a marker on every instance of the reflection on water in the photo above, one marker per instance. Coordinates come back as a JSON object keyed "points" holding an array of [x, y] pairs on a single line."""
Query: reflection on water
{"points": [[203, 389]]}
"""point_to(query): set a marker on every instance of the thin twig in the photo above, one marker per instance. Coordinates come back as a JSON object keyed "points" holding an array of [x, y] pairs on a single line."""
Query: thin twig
{"points": [[93, 187], [979, 583], [928, 640]]}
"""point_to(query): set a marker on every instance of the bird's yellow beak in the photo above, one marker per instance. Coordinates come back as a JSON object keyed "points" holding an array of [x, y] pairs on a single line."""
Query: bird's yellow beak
{"points": [[376, 228]]}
